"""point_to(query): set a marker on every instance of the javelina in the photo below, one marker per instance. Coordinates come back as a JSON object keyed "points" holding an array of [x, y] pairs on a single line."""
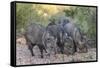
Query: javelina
{"points": [[34, 35], [56, 31], [75, 33]]}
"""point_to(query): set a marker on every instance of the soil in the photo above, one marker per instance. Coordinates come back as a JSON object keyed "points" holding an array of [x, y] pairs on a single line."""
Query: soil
{"points": [[24, 57]]}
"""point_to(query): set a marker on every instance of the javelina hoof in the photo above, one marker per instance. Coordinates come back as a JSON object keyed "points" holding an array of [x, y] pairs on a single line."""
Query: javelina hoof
{"points": [[33, 55], [41, 56]]}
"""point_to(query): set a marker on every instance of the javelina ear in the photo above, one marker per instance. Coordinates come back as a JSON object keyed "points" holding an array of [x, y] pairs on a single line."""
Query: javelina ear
{"points": [[66, 20]]}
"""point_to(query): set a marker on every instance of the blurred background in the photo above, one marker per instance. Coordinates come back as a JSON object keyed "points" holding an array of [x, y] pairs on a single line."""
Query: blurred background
{"points": [[84, 17]]}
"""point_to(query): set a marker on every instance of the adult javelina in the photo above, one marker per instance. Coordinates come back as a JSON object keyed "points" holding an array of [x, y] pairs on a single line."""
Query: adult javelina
{"points": [[75, 33], [33, 35], [56, 32]]}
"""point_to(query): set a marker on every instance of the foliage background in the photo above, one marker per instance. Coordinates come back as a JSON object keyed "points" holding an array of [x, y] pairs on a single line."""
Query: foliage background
{"points": [[83, 17]]}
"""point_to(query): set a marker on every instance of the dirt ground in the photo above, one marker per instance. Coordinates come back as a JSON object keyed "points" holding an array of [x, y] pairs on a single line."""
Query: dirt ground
{"points": [[23, 56]]}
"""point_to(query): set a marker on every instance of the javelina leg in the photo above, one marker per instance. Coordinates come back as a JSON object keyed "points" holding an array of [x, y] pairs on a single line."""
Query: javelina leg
{"points": [[41, 50], [45, 49], [61, 48], [58, 43], [30, 46]]}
